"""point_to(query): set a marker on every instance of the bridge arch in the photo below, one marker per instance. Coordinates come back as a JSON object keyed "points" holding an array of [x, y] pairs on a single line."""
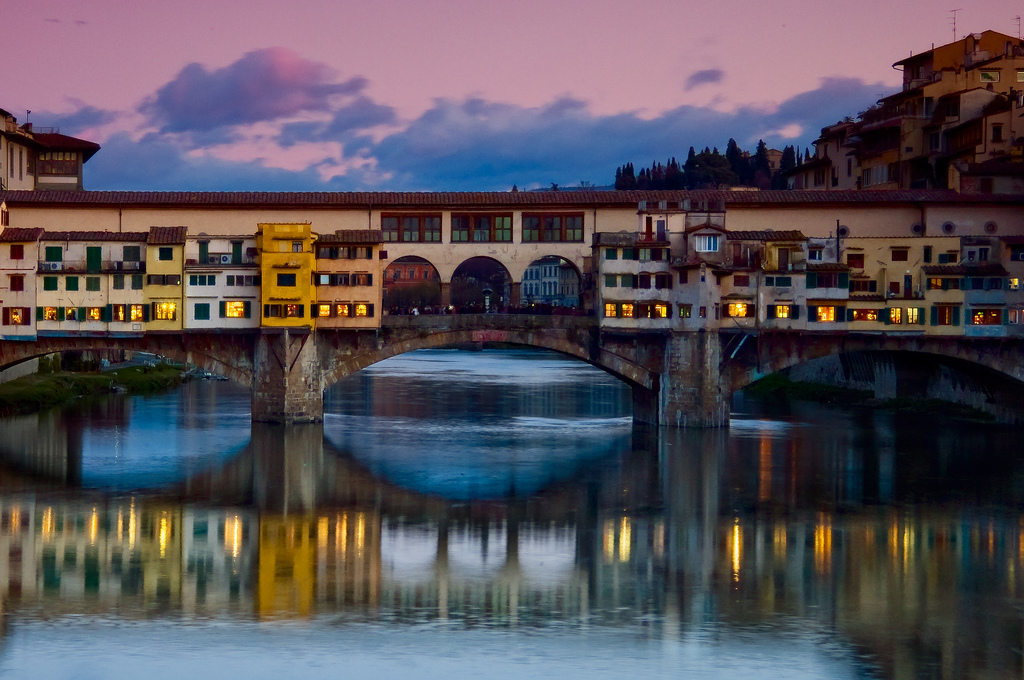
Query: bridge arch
{"points": [[339, 366], [476, 274]]}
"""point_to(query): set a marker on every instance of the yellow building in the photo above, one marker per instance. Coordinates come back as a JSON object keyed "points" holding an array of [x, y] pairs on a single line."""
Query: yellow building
{"points": [[286, 260], [165, 253]]}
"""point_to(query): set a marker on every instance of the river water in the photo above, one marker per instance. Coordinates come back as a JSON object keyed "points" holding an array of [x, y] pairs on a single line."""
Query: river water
{"points": [[497, 514]]}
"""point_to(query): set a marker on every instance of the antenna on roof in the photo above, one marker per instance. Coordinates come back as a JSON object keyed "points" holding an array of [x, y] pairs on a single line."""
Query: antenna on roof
{"points": [[953, 12], [1017, 19]]}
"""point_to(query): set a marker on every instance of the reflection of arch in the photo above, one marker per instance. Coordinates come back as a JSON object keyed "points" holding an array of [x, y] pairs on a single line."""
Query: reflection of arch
{"points": [[562, 287], [633, 374]]}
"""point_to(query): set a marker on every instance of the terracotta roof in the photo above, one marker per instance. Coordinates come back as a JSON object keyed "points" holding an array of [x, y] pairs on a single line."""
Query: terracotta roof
{"points": [[695, 261], [827, 267], [57, 141], [93, 236], [438, 200], [698, 227], [1013, 240], [11, 235], [965, 270], [766, 235], [167, 235], [867, 298], [352, 236]]}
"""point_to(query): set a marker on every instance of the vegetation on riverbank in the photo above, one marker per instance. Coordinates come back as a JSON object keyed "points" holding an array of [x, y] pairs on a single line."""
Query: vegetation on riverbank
{"points": [[780, 387], [43, 390]]}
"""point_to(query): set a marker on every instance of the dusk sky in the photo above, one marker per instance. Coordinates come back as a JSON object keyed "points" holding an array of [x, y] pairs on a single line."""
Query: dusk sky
{"points": [[318, 95]]}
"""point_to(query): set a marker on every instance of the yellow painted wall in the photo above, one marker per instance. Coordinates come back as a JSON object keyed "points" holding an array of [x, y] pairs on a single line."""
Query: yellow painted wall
{"points": [[278, 259], [155, 294]]}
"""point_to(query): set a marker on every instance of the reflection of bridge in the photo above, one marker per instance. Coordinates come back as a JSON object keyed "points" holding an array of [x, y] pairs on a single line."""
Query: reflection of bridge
{"points": [[678, 379]]}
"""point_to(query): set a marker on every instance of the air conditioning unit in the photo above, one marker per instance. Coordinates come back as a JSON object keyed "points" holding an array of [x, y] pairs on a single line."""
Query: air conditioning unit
{"points": [[225, 259], [52, 266]]}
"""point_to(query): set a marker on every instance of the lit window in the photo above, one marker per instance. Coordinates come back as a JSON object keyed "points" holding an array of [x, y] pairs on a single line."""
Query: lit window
{"points": [[49, 313], [234, 309], [611, 309], [135, 313], [814, 254], [987, 317], [341, 309], [895, 315], [627, 310], [864, 315], [16, 316], [165, 311], [783, 311], [706, 243], [117, 313], [826, 313], [990, 76], [913, 315], [660, 311], [94, 314], [293, 311], [1014, 284], [323, 310], [71, 314], [685, 311], [362, 310], [737, 309]]}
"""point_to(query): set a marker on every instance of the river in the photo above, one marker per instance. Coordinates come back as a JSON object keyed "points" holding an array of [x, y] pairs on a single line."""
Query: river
{"points": [[497, 514]]}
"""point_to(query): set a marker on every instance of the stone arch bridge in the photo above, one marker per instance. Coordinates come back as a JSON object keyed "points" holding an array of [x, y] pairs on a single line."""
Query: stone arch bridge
{"points": [[680, 379]]}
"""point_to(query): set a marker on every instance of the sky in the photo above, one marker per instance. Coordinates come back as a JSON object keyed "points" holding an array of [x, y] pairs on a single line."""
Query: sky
{"points": [[448, 95]]}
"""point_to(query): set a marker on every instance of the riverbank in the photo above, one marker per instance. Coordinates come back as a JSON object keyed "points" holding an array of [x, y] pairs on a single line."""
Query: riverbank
{"points": [[44, 390], [780, 387]]}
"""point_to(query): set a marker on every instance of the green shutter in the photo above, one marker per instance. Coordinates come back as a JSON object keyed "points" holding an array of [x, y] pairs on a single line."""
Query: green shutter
{"points": [[812, 313], [108, 313], [844, 280], [920, 316], [886, 315], [40, 314], [145, 312], [770, 312], [1006, 316], [840, 313], [223, 309], [248, 309], [60, 314], [81, 313], [369, 310], [794, 312], [935, 315], [812, 280], [956, 316]]}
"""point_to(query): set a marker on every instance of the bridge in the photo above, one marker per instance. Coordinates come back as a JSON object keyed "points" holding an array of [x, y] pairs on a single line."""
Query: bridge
{"points": [[679, 379]]}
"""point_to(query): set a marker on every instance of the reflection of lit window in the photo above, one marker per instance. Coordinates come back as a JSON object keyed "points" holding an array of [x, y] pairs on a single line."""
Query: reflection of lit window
{"points": [[50, 313], [627, 310], [94, 314], [234, 309], [165, 311], [323, 310], [361, 310], [341, 310], [136, 313], [611, 309], [826, 313], [660, 311]]}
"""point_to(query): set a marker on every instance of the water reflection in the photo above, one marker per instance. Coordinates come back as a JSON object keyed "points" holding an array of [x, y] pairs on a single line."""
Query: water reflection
{"points": [[819, 544]]}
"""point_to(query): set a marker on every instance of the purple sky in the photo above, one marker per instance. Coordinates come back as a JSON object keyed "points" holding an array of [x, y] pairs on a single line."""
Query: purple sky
{"points": [[448, 94]]}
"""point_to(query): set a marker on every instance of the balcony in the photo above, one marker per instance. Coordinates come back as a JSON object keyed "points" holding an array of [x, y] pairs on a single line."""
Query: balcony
{"points": [[82, 267], [659, 237]]}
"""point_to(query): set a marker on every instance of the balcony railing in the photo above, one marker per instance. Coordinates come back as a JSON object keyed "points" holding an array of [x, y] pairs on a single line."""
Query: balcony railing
{"points": [[82, 267]]}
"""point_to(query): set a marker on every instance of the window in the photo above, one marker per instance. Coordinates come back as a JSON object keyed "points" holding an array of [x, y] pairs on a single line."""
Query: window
{"points": [[411, 228], [94, 314], [71, 283], [117, 282], [1013, 284], [552, 228], [863, 286], [166, 311], [389, 226], [294, 311], [323, 310], [57, 163], [131, 253], [54, 254], [685, 311], [826, 314], [702, 312], [855, 260], [610, 280], [92, 283], [739, 309], [913, 315], [17, 251], [659, 310], [989, 76], [235, 309], [814, 254], [997, 133], [342, 309], [17, 283], [165, 254], [287, 280], [982, 254], [136, 281], [137, 313], [482, 228], [117, 312], [662, 281], [900, 255], [363, 309], [783, 311], [611, 309], [945, 315], [987, 317], [49, 313], [611, 253], [741, 281], [857, 314], [159, 279], [202, 311], [16, 316], [296, 246], [927, 254], [71, 314], [627, 310], [706, 243]]}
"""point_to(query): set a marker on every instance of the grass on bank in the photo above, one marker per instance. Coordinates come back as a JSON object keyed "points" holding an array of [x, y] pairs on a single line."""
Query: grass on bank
{"points": [[43, 390]]}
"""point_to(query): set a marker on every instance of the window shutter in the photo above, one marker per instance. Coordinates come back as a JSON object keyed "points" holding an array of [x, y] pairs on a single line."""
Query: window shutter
{"points": [[886, 315], [1006, 316], [844, 280], [60, 314], [224, 308], [40, 314], [812, 313], [108, 313], [81, 313], [794, 312], [956, 316], [920, 315], [6, 316], [935, 316], [812, 280], [840, 313], [247, 309], [770, 312], [369, 310], [145, 312]]}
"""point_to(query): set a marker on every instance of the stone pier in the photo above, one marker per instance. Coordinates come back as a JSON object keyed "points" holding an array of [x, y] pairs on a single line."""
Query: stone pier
{"points": [[288, 383], [691, 391]]}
